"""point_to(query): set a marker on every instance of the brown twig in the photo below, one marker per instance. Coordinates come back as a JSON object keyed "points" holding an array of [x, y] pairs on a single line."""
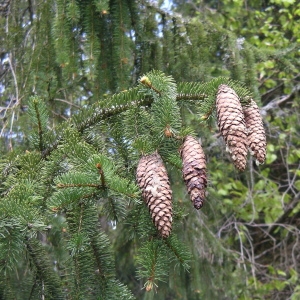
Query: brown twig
{"points": [[102, 178]]}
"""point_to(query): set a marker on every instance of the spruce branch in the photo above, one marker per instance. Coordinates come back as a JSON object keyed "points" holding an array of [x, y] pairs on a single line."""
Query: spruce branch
{"points": [[189, 96], [79, 200], [44, 269], [154, 263], [105, 113], [146, 81], [117, 290], [102, 110], [68, 197], [39, 115], [154, 253], [180, 252], [140, 97], [40, 130], [104, 263], [51, 147], [69, 185], [100, 270], [115, 209], [33, 287], [201, 91], [157, 81]]}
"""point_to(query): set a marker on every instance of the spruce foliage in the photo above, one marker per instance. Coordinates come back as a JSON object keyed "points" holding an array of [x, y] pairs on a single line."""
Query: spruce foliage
{"points": [[90, 176]]}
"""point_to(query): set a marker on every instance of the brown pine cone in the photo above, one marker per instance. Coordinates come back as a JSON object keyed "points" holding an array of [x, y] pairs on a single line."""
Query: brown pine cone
{"points": [[152, 178], [256, 132], [232, 125], [194, 170]]}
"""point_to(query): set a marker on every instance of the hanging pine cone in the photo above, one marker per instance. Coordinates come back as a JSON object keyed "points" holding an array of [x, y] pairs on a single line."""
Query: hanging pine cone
{"points": [[153, 180], [256, 132], [194, 170], [232, 126]]}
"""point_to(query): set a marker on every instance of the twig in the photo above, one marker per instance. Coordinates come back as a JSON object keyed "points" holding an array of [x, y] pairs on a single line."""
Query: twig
{"points": [[282, 218], [68, 102], [101, 173], [241, 246], [277, 102]]}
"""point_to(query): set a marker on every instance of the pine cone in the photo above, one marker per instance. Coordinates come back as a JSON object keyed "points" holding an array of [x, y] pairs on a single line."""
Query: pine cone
{"points": [[153, 180], [232, 125], [194, 170], [256, 132]]}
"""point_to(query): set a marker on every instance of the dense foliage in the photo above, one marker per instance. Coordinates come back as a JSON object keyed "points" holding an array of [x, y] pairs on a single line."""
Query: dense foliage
{"points": [[76, 119]]}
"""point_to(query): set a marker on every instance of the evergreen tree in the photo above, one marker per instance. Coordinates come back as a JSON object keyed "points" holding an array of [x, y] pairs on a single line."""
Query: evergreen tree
{"points": [[102, 105]]}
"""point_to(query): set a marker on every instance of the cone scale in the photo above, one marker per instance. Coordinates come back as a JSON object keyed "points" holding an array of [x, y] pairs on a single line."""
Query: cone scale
{"points": [[194, 170], [232, 125], [152, 178], [256, 132]]}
